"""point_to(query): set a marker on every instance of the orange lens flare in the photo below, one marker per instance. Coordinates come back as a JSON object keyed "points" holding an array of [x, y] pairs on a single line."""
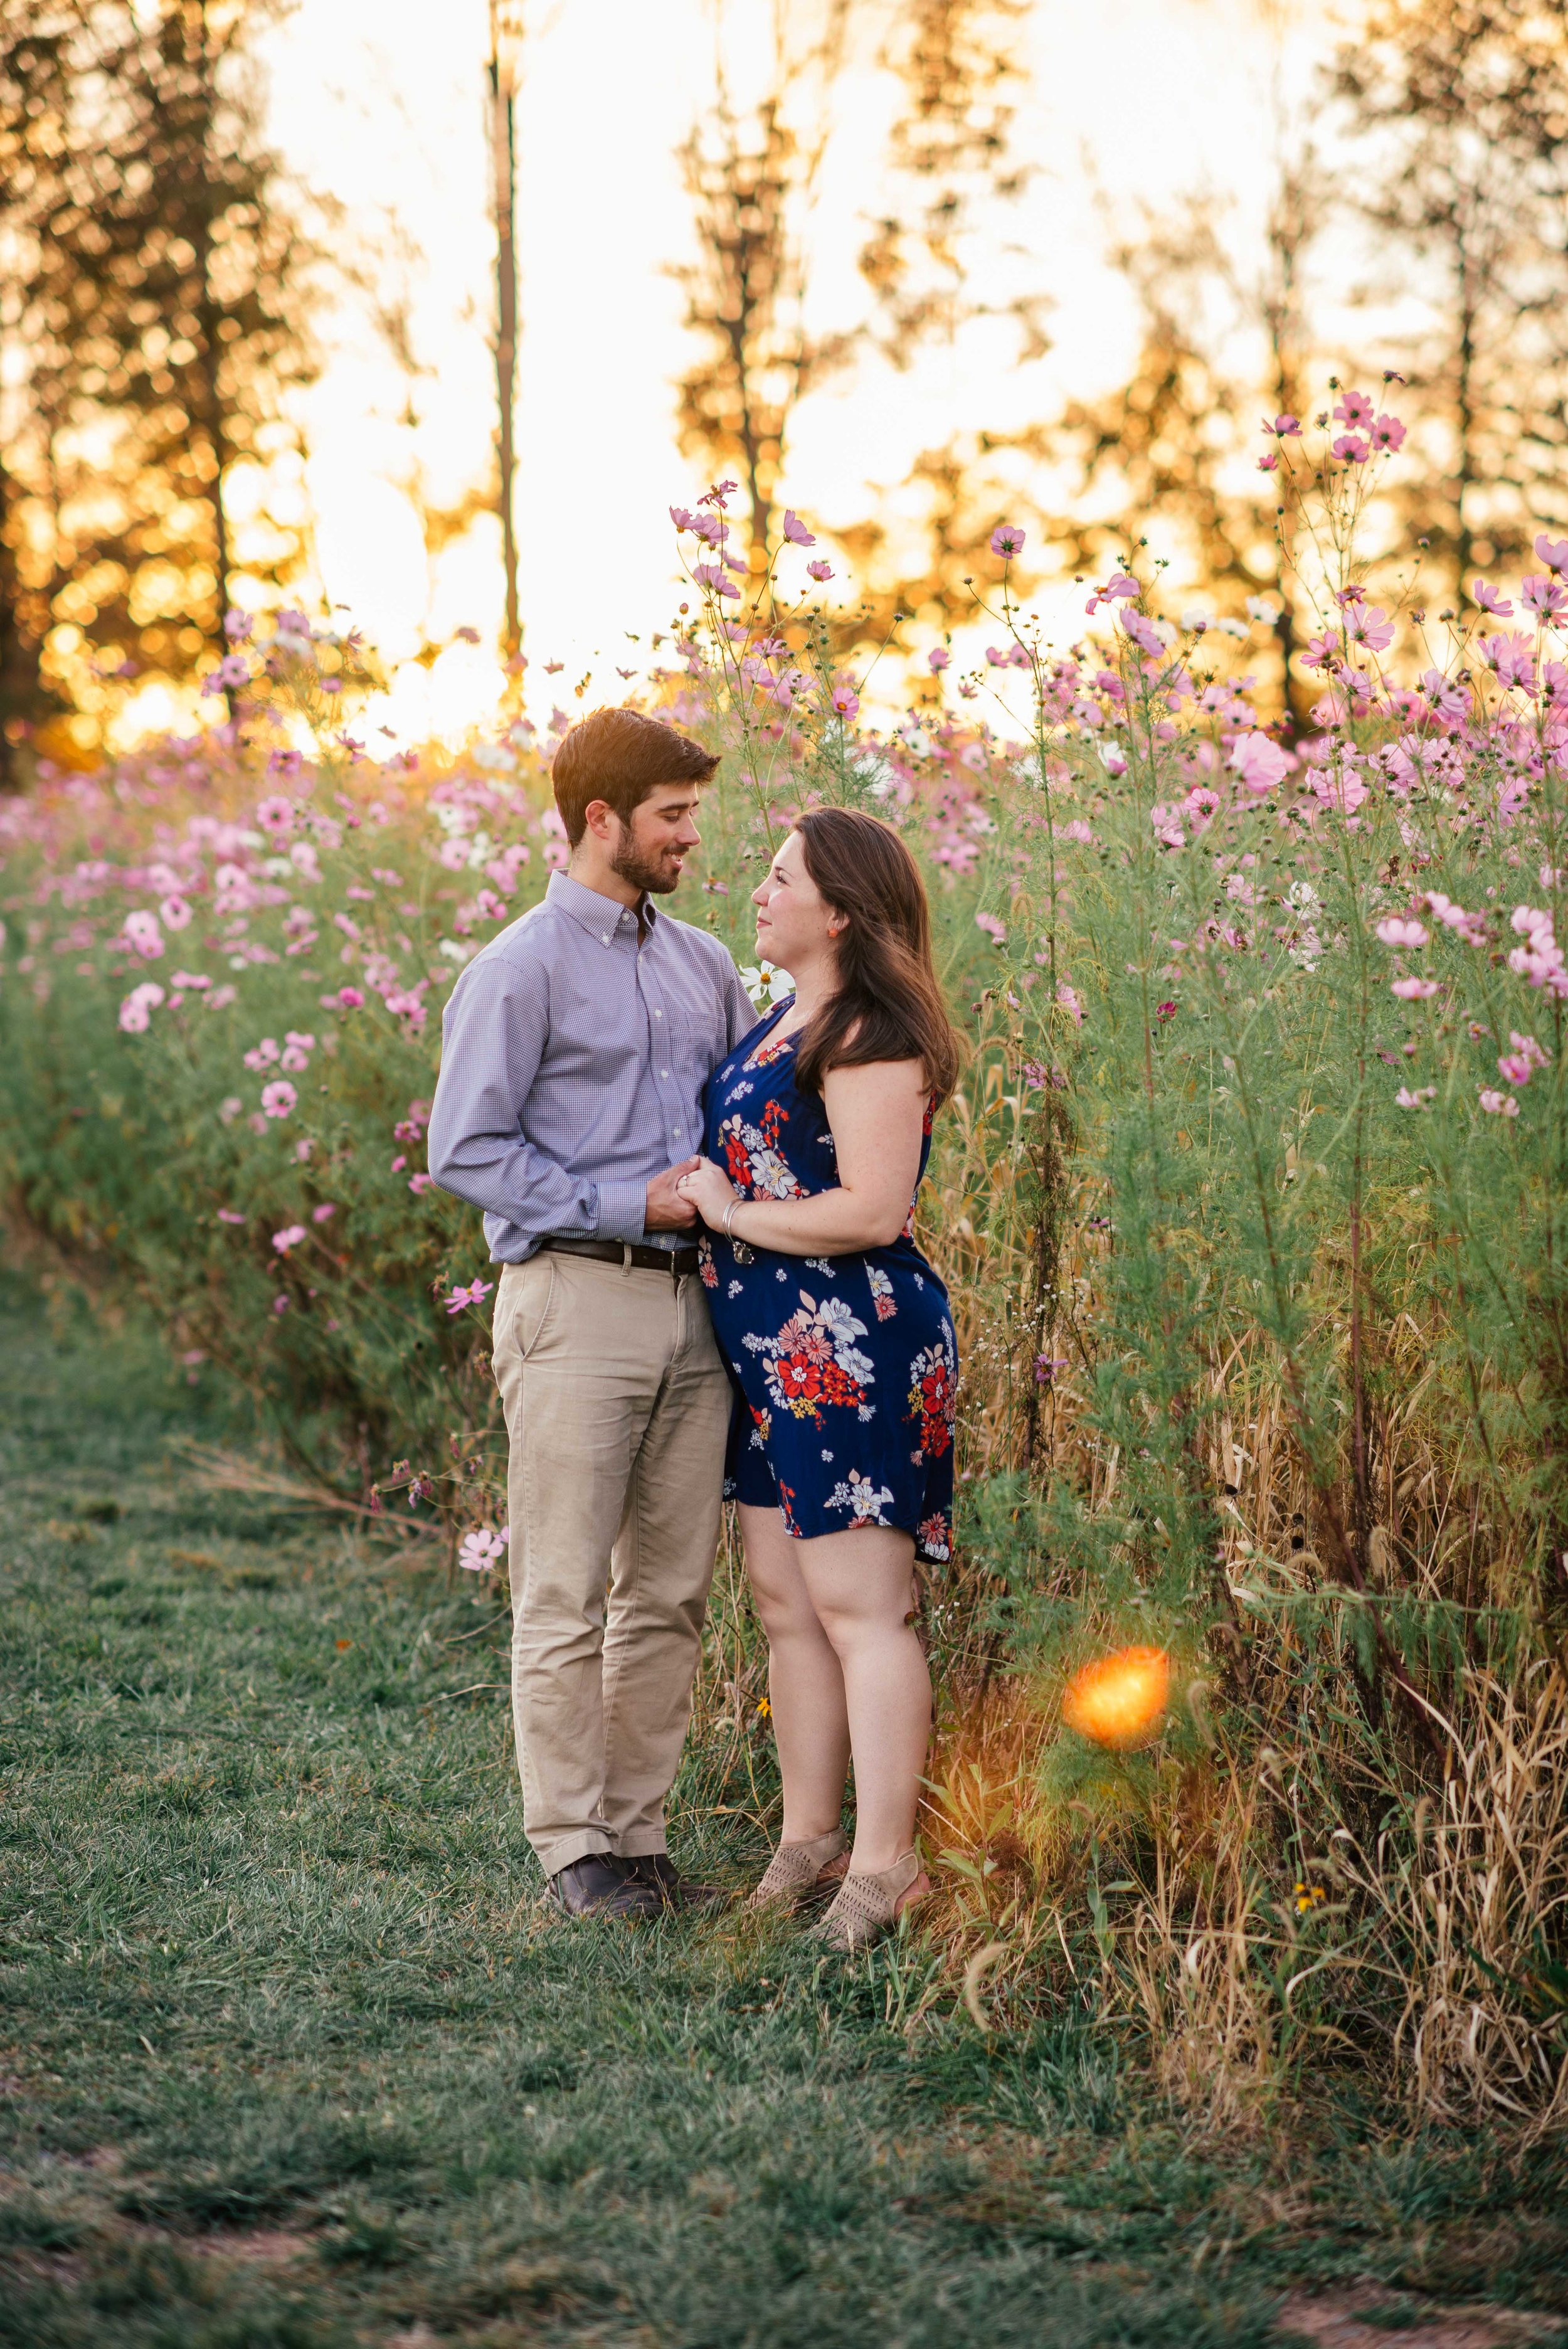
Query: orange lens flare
{"points": [[1119, 1700]]}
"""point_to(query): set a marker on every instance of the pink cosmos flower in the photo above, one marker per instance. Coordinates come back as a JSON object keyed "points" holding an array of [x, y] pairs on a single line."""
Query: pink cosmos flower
{"points": [[174, 913], [1498, 1104], [1258, 764], [1511, 660], [1143, 634], [327, 1207], [718, 582], [1007, 541], [1542, 596], [237, 625], [1372, 628], [1399, 930], [481, 1551], [475, 1294], [191, 979], [292, 1058], [846, 701], [1122, 587], [1517, 1067], [1413, 990], [135, 1011], [1070, 1001], [1354, 409], [1285, 428], [350, 997], [795, 531], [1267, 464], [419, 1184], [230, 1216], [1490, 600], [1388, 433], [144, 936], [681, 519], [1351, 448], [278, 1100], [290, 1236], [262, 1056], [229, 1108], [1167, 824], [1553, 552], [1533, 1052], [280, 1305], [819, 571], [992, 927], [1321, 649], [1406, 1099], [937, 659]]}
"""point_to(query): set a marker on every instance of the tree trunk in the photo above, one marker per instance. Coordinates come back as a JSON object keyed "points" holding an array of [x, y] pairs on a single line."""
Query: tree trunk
{"points": [[503, 135]]}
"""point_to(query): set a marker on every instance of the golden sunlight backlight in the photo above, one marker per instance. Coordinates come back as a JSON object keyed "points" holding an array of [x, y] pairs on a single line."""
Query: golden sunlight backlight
{"points": [[1119, 1700]]}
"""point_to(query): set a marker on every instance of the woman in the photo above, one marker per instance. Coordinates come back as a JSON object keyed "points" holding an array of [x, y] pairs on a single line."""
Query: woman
{"points": [[838, 1337]]}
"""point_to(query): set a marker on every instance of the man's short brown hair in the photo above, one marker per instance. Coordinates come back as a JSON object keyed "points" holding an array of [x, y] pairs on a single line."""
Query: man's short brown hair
{"points": [[619, 756]]}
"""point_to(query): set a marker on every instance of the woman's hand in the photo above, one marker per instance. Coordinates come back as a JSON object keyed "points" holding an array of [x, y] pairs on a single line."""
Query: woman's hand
{"points": [[709, 1190]]}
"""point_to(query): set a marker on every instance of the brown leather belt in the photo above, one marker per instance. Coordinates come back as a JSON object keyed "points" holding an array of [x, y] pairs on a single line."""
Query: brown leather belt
{"points": [[677, 1262]]}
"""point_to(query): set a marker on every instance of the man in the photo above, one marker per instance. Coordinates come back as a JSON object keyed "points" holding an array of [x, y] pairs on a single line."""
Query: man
{"points": [[577, 1045]]}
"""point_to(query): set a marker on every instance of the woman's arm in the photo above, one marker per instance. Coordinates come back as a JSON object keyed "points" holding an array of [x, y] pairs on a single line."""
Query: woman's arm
{"points": [[878, 1116]]}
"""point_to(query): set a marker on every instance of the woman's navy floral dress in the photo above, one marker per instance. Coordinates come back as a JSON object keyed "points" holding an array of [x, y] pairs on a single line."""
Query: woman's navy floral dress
{"points": [[846, 1365]]}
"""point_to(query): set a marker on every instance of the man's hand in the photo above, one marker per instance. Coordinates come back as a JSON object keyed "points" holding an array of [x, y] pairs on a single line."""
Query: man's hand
{"points": [[666, 1210]]}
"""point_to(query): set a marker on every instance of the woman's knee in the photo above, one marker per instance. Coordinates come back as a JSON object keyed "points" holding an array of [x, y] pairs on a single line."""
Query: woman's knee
{"points": [[853, 1625]]}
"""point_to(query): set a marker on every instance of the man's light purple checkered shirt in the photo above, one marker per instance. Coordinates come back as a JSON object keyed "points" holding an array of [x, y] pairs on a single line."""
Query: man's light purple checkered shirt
{"points": [[572, 1067]]}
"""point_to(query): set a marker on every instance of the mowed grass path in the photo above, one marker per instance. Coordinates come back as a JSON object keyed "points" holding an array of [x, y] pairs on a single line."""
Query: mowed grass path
{"points": [[292, 2056]]}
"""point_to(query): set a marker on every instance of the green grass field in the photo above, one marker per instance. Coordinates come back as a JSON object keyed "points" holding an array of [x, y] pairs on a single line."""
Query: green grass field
{"points": [[290, 2054]]}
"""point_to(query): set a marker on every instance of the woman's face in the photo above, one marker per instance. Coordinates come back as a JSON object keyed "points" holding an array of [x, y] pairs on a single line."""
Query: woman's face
{"points": [[795, 924]]}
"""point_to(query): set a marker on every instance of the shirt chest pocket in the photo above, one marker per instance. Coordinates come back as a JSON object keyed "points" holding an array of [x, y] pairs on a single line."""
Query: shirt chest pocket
{"points": [[701, 1038]]}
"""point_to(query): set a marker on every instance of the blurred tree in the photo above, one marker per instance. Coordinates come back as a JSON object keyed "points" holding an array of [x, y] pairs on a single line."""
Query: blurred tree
{"points": [[950, 158], [1167, 458], [154, 306], [751, 173], [1462, 105], [505, 69]]}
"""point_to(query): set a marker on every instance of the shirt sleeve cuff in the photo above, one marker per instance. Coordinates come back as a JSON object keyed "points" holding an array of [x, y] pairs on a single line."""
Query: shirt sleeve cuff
{"points": [[622, 1207]]}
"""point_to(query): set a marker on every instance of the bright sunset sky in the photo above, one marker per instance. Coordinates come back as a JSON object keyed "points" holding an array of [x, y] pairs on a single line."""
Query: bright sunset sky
{"points": [[379, 103]]}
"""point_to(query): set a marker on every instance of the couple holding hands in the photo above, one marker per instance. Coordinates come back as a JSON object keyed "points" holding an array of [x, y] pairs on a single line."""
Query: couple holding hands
{"points": [[710, 1292]]}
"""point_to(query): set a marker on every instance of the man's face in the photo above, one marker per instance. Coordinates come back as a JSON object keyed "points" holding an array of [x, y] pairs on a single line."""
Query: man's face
{"points": [[650, 853]]}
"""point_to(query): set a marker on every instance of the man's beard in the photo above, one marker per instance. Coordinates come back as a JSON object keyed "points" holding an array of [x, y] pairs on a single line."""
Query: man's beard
{"points": [[642, 872]]}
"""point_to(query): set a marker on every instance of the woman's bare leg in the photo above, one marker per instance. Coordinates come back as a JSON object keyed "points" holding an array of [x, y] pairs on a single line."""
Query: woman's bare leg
{"points": [[862, 1589], [805, 1683]]}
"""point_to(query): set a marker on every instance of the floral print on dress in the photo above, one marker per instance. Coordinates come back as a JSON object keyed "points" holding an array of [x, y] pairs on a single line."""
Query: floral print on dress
{"points": [[933, 1397], [751, 1154], [814, 1360], [835, 1358], [866, 1503]]}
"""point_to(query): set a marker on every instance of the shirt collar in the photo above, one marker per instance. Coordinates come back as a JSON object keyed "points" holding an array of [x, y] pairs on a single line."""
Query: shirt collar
{"points": [[601, 917]]}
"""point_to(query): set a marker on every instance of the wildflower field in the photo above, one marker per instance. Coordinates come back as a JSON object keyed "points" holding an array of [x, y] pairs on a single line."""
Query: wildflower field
{"points": [[1252, 1202]]}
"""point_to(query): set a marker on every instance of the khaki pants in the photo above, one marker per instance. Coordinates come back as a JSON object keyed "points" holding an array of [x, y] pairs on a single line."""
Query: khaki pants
{"points": [[617, 1407]]}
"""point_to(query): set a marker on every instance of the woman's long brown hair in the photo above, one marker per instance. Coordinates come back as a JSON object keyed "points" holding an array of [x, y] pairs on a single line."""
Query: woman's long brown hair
{"points": [[888, 1003]]}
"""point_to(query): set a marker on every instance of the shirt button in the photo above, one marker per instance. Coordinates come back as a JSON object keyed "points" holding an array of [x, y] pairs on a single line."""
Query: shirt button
{"points": [[605, 937], [664, 1072], [658, 1015]]}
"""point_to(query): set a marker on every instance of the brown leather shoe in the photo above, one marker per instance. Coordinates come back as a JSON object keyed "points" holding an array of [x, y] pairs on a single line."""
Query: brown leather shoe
{"points": [[658, 1872], [599, 1885]]}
